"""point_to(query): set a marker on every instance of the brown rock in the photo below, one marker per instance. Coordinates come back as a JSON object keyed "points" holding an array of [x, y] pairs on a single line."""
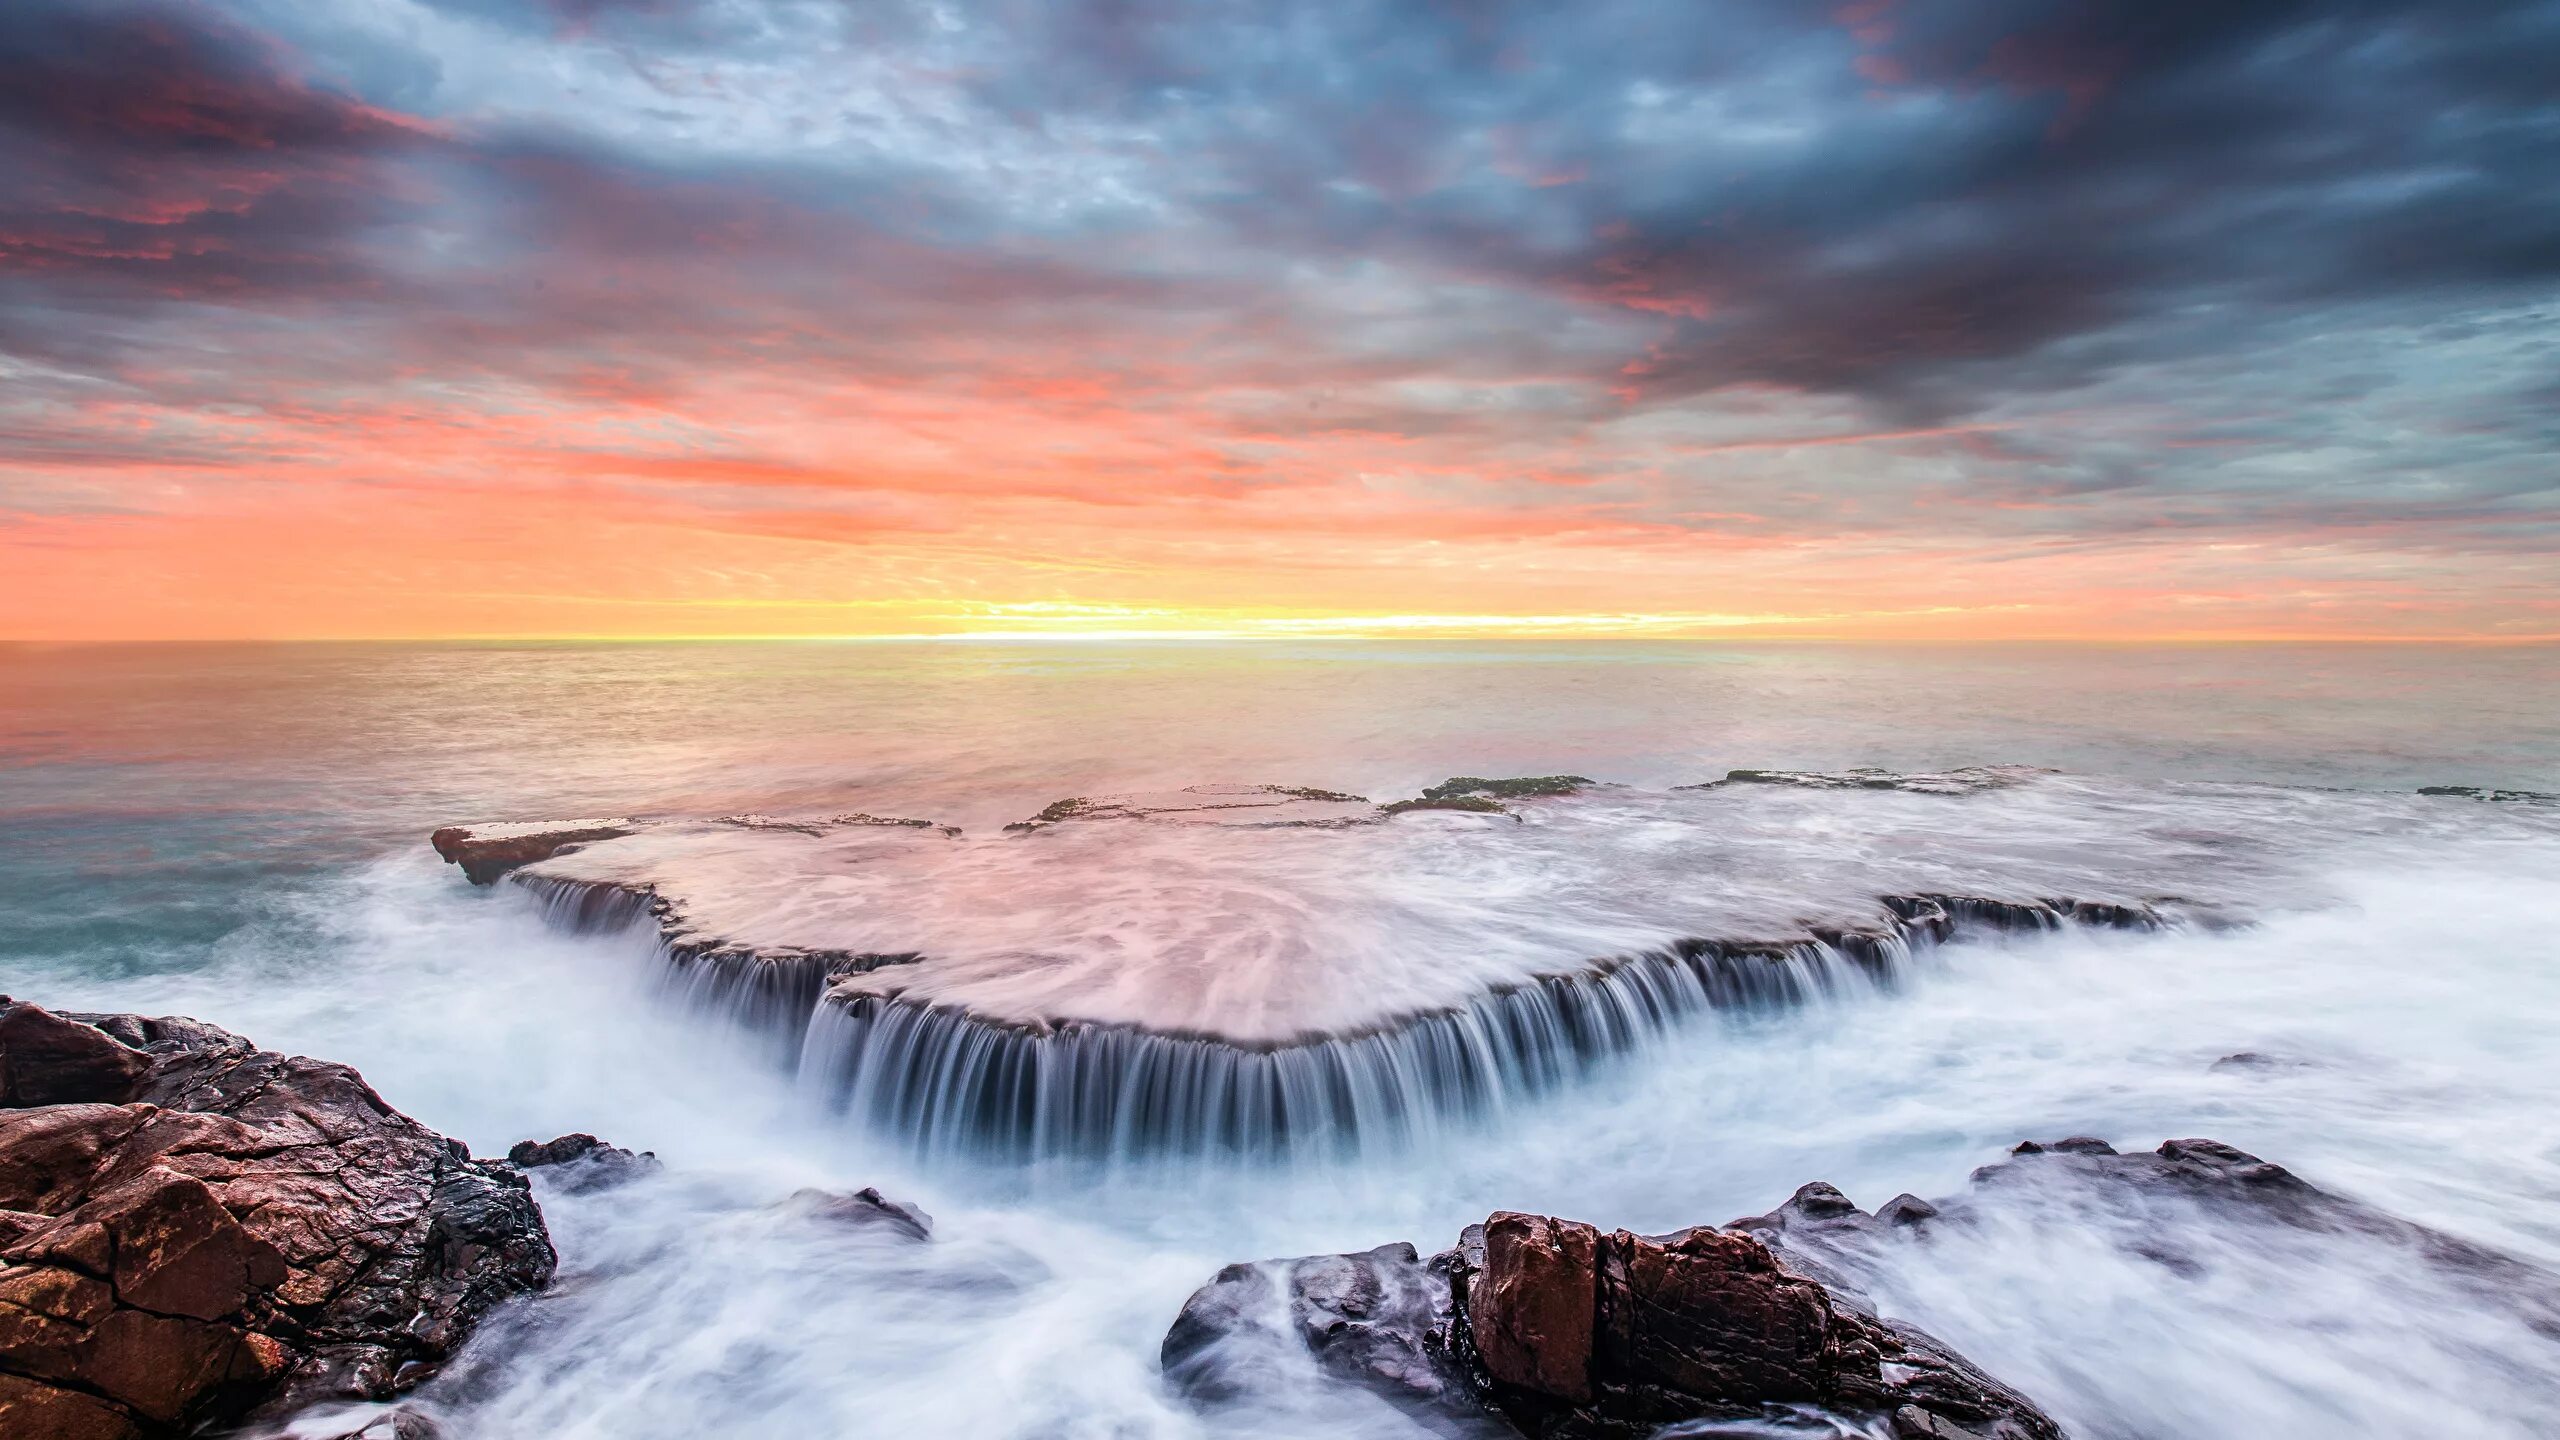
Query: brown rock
{"points": [[1710, 1315], [48, 1060], [32, 1410], [484, 859], [1544, 1327], [246, 1233], [1532, 1307]]}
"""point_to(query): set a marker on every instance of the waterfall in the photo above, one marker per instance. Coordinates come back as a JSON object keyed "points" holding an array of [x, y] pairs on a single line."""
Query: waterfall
{"points": [[950, 1080]]}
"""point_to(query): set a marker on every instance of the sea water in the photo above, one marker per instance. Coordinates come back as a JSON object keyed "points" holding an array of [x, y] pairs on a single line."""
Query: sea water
{"points": [[236, 833]]}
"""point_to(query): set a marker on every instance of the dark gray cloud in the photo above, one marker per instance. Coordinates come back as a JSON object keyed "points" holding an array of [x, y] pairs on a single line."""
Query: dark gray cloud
{"points": [[1926, 211]]}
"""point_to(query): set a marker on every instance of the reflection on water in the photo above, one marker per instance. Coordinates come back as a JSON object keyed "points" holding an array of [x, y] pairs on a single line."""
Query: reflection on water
{"points": [[233, 834]]}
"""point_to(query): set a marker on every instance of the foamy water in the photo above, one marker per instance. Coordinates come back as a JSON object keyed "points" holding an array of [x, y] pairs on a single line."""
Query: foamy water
{"points": [[2406, 989]]}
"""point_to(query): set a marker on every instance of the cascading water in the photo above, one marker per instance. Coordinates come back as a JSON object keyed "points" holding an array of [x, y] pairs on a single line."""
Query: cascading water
{"points": [[946, 1080]]}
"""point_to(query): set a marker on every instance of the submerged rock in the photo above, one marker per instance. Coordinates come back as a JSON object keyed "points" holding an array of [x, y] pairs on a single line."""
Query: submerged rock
{"points": [[580, 1162], [1463, 804], [2235, 1188], [2498, 796], [1477, 795], [398, 1423], [194, 1231], [1518, 787], [822, 824], [865, 1208], [486, 852], [2178, 1206], [1969, 780], [1249, 807], [1550, 1327]]}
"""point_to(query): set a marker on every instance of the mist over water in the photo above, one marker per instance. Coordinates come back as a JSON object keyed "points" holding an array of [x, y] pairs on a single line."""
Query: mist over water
{"points": [[236, 836]]}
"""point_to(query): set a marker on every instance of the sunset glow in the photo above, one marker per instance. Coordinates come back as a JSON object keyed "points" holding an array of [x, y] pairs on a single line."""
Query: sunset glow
{"points": [[411, 319]]}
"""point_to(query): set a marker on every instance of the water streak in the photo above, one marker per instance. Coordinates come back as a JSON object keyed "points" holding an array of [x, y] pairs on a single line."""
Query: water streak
{"points": [[949, 1081]]}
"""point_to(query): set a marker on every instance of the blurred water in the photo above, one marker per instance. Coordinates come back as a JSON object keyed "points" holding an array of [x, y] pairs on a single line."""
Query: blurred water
{"points": [[233, 833]]}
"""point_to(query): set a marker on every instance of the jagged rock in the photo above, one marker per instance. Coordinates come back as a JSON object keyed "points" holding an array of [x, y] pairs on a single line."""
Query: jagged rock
{"points": [[1704, 1324], [864, 1208], [580, 1162], [198, 1231], [1548, 1327], [489, 851], [45, 1061]]}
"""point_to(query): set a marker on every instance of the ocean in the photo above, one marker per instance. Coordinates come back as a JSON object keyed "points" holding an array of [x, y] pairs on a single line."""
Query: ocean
{"points": [[238, 833]]}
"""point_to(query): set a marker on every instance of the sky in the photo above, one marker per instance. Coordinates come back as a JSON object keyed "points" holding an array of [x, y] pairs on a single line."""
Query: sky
{"points": [[1894, 319]]}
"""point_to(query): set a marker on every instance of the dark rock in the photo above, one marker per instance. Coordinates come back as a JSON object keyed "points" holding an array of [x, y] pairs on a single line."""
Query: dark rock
{"points": [[580, 1162], [398, 1423], [1463, 804], [2482, 792], [865, 1208], [47, 1060], [1563, 1331], [1530, 1308], [1969, 780], [1524, 787], [484, 858], [1384, 1319], [2258, 1062], [219, 1232]]}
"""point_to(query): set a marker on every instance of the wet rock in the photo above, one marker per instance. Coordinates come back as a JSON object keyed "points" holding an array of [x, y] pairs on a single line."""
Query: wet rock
{"points": [[1477, 795], [2497, 796], [490, 851], [2236, 1188], [580, 1162], [2173, 1206], [398, 1423], [826, 824], [865, 1208], [1550, 1327], [1258, 807], [2259, 1062], [1384, 1319], [210, 1232], [48, 1060], [1463, 804], [1524, 787], [1969, 780]]}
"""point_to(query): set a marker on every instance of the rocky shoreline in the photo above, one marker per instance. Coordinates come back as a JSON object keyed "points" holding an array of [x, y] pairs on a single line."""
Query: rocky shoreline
{"points": [[197, 1235], [1536, 1326], [201, 1233]]}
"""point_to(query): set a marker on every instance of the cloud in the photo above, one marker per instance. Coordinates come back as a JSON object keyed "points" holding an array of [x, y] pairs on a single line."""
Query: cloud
{"points": [[1172, 279]]}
